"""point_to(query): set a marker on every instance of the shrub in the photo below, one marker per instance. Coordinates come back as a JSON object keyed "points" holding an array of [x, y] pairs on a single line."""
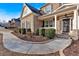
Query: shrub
{"points": [[16, 30], [50, 33], [37, 32], [19, 30], [28, 30], [43, 32], [22, 30]]}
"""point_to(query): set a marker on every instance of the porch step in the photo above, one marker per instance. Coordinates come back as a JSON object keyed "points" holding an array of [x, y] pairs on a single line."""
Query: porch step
{"points": [[62, 36]]}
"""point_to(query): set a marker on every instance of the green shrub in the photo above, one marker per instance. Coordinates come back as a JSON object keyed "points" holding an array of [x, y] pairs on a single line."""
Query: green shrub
{"points": [[19, 30], [43, 32], [28, 30], [22, 30], [37, 32], [50, 33]]}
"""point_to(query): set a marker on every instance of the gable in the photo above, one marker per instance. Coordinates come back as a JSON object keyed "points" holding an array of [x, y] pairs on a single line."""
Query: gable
{"points": [[26, 10]]}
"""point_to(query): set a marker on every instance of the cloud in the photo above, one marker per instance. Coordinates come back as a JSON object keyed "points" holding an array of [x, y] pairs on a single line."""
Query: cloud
{"points": [[5, 16]]}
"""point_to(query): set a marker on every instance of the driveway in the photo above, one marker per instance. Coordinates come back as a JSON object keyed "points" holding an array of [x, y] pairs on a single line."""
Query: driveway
{"points": [[15, 44]]}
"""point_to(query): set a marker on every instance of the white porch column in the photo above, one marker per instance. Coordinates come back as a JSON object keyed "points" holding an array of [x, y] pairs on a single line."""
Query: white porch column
{"points": [[55, 21], [70, 24], [75, 20], [75, 25]]}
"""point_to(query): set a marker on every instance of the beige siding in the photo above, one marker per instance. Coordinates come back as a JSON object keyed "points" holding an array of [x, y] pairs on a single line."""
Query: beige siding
{"points": [[29, 19], [54, 6]]}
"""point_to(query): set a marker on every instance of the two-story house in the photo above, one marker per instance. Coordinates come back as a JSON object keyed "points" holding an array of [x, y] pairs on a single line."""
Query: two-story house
{"points": [[30, 15], [64, 18], [14, 23]]}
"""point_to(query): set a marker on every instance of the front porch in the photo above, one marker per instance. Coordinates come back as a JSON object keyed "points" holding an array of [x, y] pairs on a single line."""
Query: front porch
{"points": [[64, 20], [62, 24]]}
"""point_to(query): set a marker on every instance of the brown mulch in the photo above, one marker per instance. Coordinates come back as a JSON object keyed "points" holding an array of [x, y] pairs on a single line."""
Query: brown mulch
{"points": [[73, 49], [6, 52], [31, 37]]}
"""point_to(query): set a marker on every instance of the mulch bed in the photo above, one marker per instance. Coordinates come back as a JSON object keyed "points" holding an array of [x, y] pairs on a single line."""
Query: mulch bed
{"points": [[73, 49], [32, 38], [6, 52]]}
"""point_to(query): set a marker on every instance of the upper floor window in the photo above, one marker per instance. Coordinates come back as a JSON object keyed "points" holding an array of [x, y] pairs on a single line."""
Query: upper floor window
{"points": [[48, 9]]}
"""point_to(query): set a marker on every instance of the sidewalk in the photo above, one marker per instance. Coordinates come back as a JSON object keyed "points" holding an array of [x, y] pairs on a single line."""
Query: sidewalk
{"points": [[15, 44]]}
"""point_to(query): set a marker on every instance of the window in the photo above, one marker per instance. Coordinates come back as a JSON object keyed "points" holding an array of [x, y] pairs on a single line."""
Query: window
{"points": [[52, 23], [23, 25], [48, 9], [28, 25], [46, 23], [49, 23], [71, 24]]}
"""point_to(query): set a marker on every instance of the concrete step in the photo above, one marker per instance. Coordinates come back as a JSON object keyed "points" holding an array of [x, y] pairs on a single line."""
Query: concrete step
{"points": [[63, 36]]}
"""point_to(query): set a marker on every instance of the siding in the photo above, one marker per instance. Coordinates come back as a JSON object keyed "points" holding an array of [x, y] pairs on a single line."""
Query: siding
{"points": [[54, 6], [29, 19]]}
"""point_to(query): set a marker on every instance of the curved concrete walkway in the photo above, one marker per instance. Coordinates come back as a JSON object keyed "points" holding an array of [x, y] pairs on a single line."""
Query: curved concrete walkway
{"points": [[15, 44]]}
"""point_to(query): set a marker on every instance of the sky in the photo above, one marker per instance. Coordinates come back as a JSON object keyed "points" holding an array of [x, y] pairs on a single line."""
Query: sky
{"points": [[13, 10]]}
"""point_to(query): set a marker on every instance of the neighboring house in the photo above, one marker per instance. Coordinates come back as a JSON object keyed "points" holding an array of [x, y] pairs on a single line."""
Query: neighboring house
{"points": [[14, 23], [64, 18]]}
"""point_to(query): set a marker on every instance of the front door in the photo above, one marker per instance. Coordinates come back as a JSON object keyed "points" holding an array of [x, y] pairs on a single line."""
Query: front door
{"points": [[66, 25]]}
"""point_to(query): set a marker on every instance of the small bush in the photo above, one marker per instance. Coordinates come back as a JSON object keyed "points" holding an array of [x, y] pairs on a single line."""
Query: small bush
{"points": [[16, 30], [37, 32], [28, 30], [50, 33], [19, 30], [22, 30], [43, 32]]}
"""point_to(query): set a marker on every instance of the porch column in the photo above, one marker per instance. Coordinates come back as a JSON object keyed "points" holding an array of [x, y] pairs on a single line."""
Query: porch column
{"points": [[75, 20], [55, 21], [75, 25], [70, 24]]}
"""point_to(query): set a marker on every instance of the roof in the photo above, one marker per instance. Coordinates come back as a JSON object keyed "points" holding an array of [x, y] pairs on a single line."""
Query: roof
{"points": [[33, 9], [17, 20], [64, 7], [61, 9], [45, 5]]}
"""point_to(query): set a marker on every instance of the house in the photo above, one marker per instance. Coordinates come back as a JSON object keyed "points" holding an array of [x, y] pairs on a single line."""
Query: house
{"points": [[64, 18], [14, 23]]}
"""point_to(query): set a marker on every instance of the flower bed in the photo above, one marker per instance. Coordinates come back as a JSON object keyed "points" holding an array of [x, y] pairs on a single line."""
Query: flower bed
{"points": [[30, 37], [73, 49]]}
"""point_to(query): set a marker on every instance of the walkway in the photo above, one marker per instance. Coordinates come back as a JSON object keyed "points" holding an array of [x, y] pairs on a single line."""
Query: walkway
{"points": [[15, 44]]}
